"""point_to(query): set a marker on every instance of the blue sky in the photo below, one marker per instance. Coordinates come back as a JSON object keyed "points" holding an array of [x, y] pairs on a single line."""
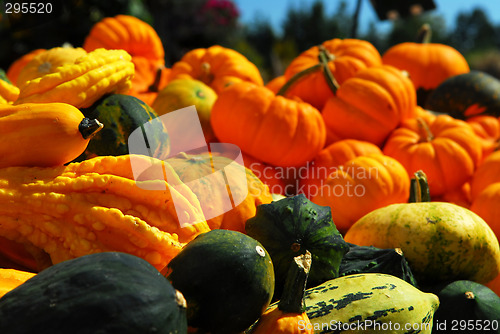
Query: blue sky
{"points": [[275, 10]]}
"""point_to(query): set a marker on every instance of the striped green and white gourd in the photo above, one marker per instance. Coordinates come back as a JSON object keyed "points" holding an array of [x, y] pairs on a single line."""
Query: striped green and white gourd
{"points": [[370, 303]]}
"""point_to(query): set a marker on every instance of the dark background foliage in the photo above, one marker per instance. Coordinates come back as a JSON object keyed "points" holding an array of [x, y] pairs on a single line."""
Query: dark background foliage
{"points": [[187, 24]]}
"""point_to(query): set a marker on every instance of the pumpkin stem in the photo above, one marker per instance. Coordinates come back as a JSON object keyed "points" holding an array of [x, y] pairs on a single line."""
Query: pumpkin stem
{"points": [[419, 188], [324, 57], [424, 34], [155, 86], [427, 130], [292, 300], [206, 75], [89, 127]]}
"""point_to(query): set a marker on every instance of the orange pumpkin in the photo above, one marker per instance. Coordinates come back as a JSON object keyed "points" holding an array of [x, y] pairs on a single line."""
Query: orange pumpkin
{"points": [[330, 158], [361, 185], [485, 204], [370, 105], [217, 67], [141, 41], [273, 129], [18, 64], [345, 58], [276, 83], [460, 196], [486, 174], [276, 178], [127, 33], [447, 150], [487, 128], [428, 64]]}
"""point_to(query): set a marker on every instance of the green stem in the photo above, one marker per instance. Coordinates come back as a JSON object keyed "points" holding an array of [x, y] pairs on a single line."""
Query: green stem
{"points": [[424, 34], [292, 300], [324, 57], [419, 188], [89, 127]]}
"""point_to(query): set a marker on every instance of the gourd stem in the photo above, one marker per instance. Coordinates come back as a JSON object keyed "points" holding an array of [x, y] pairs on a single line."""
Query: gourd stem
{"points": [[296, 78], [424, 126], [419, 188], [330, 79], [324, 57], [292, 299], [155, 86], [424, 34], [89, 127]]}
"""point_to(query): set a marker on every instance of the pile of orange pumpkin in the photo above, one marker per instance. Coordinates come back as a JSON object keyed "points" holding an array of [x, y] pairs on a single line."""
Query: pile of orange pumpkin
{"points": [[343, 125]]}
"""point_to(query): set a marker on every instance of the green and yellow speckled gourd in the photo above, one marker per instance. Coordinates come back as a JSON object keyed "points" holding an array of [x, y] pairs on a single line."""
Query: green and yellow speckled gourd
{"points": [[441, 241]]}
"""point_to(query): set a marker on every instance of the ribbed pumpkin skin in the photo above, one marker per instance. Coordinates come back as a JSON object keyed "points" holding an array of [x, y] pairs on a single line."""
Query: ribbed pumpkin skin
{"points": [[99, 293], [371, 104], [349, 57], [486, 174], [441, 241], [428, 64], [361, 185], [485, 204], [370, 303], [449, 158], [330, 158], [273, 129], [128, 33], [487, 128], [217, 67]]}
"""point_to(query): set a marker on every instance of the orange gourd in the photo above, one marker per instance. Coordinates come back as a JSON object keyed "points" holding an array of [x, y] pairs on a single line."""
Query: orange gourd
{"points": [[43, 134], [217, 67], [486, 174], [370, 105], [16, 67], [447, 150], [361, 185], [485, 204], [288, 316], [273, 129], [487, 128]]}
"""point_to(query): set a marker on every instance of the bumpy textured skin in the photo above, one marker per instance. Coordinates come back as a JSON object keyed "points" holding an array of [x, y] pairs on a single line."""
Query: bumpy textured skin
{"points": [[370, 299], [106, 293], [8, 91], [83, 82], [96, 206], [441, 241], [40, 134]]}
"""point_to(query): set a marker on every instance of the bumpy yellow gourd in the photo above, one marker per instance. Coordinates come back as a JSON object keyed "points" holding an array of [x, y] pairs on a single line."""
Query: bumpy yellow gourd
{"points": [[96, 206], [8, 92], [83, 82]]}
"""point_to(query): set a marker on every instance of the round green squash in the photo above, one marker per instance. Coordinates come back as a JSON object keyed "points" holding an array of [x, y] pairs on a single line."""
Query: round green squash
{"points": [[105, 293], [466, 95], [466, 307], [441, 241], [290, 227], [121, 115], [227, 279]]}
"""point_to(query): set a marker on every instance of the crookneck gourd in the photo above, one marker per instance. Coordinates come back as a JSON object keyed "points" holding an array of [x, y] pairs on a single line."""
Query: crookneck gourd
{"points": [[43, 134], [97, 206]]}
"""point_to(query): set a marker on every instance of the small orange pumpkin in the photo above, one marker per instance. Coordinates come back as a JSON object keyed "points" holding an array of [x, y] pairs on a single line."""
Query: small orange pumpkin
{"points": [[345, 58], [487, 128], [486, 174], [330, 158], [428, 64], [447, 150], [217, 67], [485, 204], [361, 185], [274, 129], [369, 105]]}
